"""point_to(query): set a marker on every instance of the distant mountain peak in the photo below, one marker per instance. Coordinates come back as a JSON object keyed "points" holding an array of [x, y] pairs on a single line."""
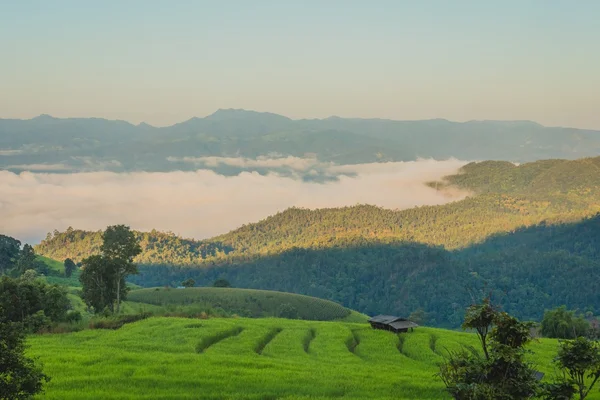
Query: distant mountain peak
{"points": [[43, 117], [239, 113]]}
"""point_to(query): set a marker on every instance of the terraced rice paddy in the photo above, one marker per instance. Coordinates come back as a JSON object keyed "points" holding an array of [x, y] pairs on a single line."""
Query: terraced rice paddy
{"points": [[238, 358]]}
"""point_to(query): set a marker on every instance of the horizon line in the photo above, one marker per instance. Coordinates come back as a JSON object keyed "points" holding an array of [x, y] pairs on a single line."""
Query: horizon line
{"points": [[143, 123]]}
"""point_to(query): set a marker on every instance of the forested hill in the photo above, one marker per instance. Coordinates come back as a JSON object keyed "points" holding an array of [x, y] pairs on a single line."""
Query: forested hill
{"points": [[523, 232], [80, 144]]}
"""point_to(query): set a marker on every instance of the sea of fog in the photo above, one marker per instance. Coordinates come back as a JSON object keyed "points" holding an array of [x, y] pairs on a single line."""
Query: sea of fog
{"points": [[202, 203]]}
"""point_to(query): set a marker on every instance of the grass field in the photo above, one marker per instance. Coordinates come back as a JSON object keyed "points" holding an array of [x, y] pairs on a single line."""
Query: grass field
{"points": [[239, 358], [247, 302]]}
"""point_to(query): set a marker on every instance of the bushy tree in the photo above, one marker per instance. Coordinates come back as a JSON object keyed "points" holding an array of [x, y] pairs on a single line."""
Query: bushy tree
{"points": [[501, 371], [419, 316], [579, 359], [188, 283], [103, 276], [564, 324], [221, 283], [20, 377], [32, 303]]}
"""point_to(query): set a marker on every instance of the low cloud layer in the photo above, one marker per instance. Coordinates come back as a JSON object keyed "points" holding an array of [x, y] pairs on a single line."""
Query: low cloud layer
{"points": [[202, 203], [291, 162]]}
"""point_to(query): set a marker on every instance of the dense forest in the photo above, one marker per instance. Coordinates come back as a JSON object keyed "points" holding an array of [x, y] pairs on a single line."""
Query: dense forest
{"points": [[529, 233]]}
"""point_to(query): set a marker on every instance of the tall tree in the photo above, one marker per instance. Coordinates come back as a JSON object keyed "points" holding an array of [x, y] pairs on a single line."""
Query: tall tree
{"points": [[9, 253], [96, 283], [70, 267], [119, 248], [27, 259], [103, 276]]}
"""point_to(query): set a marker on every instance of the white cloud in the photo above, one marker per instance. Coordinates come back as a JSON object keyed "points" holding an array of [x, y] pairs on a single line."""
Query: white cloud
{"points": [[290, 162], [202, 203], [10, 152], [93, 164], [40, 167]]}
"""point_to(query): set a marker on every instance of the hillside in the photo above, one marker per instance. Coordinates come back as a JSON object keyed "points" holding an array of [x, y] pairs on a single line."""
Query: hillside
{"points": [[247, 302], [78, 144], [270, 358], [527, 232]]}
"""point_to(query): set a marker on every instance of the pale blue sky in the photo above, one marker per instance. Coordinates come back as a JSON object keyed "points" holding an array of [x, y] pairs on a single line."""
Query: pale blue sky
{"points": [[166, 61]]}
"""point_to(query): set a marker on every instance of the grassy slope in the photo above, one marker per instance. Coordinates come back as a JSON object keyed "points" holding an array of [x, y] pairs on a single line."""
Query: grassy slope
{"points": [[157, 358], [246, 302]]}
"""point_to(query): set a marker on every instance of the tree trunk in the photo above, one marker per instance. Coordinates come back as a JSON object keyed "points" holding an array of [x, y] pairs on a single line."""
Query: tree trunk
{"points": [[118, 294]]}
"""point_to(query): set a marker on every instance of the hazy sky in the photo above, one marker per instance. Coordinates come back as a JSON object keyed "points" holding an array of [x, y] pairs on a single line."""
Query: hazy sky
{"points": [[166, 61]]}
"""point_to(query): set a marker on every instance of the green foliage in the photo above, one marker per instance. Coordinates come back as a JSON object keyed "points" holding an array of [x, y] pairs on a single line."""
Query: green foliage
{"points": [[116, 321], [221, 283], [580, 360], [503, 372], [564, 324], [32, 303], [419, 316], [245, 302], [188, 283], [20, 376], [96, 279], [15, 261], [103, 276], [10, 249], [480, 317], [69, 266]]}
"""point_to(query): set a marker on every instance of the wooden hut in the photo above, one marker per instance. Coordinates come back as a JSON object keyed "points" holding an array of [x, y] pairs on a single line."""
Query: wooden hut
{"points": [[391, 323]]}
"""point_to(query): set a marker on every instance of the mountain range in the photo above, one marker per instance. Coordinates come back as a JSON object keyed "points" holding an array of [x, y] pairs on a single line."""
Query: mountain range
{"points": [[52, 144]]}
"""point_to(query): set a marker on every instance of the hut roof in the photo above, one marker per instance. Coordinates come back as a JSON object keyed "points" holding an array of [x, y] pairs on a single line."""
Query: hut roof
{"points": [[393, 321], [385, 319], [402, 324]]}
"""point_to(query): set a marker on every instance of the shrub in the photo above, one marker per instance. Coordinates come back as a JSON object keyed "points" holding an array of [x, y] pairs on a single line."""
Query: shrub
{"points": [[115, 322]]}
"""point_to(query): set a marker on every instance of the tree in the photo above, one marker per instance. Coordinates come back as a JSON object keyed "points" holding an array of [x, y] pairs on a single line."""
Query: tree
{"points": [[31, 302], [188, 283], [221, 283], [70, 267], [419, 316], [98, 286], [20, 377], [9, 253], [480, 317], [564, 324], [579, 359], [502, 372], [119, 248], [103, 276]]}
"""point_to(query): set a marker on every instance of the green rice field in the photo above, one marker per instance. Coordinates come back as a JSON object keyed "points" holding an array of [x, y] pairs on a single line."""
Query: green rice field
{"points": [[239, 358]]}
